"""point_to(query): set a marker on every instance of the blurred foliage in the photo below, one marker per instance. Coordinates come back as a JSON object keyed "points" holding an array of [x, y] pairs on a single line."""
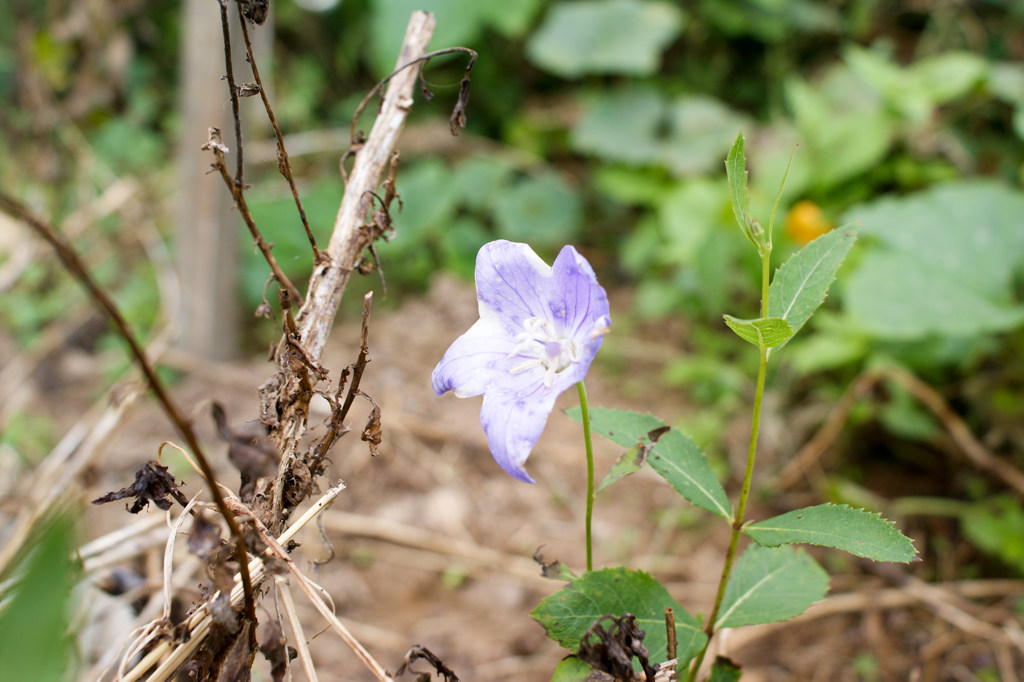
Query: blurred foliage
{"points": [[35, 620], [606, 123]]}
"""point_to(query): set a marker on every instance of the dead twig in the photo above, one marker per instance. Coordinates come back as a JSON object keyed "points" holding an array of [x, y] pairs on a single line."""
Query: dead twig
{"points": [[215, 145], [283, 164], [285, 397], [77, 268]]}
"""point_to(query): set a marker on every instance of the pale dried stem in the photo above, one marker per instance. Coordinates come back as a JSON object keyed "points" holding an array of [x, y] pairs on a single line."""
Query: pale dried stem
{"points": [[295, 623], [349, 239], [198, 624], [318, 603]]}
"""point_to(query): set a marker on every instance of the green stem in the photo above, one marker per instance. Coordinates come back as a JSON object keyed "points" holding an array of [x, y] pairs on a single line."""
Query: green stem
{"points": [[585, 411], [748, 475]]}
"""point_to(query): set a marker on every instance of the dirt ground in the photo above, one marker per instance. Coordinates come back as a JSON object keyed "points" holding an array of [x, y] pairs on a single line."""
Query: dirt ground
{"points": [[432, 542]]}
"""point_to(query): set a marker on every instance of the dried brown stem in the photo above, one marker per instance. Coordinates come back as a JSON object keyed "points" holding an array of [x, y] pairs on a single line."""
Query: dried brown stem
{"points": [[283, 164], [77, 268], [230, 75], [215, 144], [458, 119]]}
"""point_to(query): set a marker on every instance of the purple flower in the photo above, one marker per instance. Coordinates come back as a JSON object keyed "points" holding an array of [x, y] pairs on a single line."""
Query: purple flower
{"points": [[538, 331]]}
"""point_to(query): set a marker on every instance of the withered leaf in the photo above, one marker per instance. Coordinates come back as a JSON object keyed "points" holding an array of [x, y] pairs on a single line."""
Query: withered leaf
{"points": [[372, 431], [204, 538], [237, 665], [417, 653], [273, 646], [612, 650], [153, 483]]}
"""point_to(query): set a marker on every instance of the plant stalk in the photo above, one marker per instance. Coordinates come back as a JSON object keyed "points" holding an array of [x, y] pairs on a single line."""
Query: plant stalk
{"points": [[585, 411], [748, 475]]}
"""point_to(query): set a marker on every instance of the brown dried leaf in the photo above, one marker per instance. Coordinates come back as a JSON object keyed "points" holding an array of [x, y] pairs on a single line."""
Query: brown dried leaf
{"points": [[153, 483]]}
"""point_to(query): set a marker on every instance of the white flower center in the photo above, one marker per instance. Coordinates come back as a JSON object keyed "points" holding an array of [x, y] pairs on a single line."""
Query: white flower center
{"points": [[541, 345]]}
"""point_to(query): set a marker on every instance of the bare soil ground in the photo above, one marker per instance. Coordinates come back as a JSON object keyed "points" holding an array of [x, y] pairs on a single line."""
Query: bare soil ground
{"points": [[432, 542]]}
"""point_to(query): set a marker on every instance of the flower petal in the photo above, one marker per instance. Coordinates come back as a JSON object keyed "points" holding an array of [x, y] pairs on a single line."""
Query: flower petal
{"points": [[584, 303], [512, 284], [513, 421], [476, 360]]}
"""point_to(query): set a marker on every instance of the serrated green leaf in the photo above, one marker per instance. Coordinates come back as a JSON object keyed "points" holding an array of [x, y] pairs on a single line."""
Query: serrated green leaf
{"points": [[674, 456], [629, 462], [856, 531], [680, 462], [724, 670], [622, 427], [736, 173], [769, 585], [764, 332], [567, 614], [802, 283], [571, 669]]}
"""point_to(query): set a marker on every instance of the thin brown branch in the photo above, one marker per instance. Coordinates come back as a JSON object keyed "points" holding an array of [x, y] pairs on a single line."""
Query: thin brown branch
{"points": [[215, 144], [958, 430], [283, 164], [77, 268], [229, 72], [458, 118]]}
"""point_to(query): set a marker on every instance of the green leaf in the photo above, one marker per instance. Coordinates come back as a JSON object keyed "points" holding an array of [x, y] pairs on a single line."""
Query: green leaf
{"points": [[604, 36], [724, 670], [629, 462], [571, 669], [764, 332], [701, 130], [856, 531], [459, 22], [542, 210], [996, 525], [567, 614], [605, 114], [674, 456], [34, 622], [940, 262], [622, 427], [801, 284], [736, 172], [770, 585], [680, 462]]}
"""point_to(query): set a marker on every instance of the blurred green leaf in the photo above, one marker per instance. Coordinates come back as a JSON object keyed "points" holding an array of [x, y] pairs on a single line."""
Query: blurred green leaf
{"points": [[34, 640], [845, 131], [701, 130], [621, 126], [567, 614], [724, 670], [511, 18], [458, 22], [571, 669], [604, 36], [769, 585], [996, 525], [941, 262], [540, 209]]}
